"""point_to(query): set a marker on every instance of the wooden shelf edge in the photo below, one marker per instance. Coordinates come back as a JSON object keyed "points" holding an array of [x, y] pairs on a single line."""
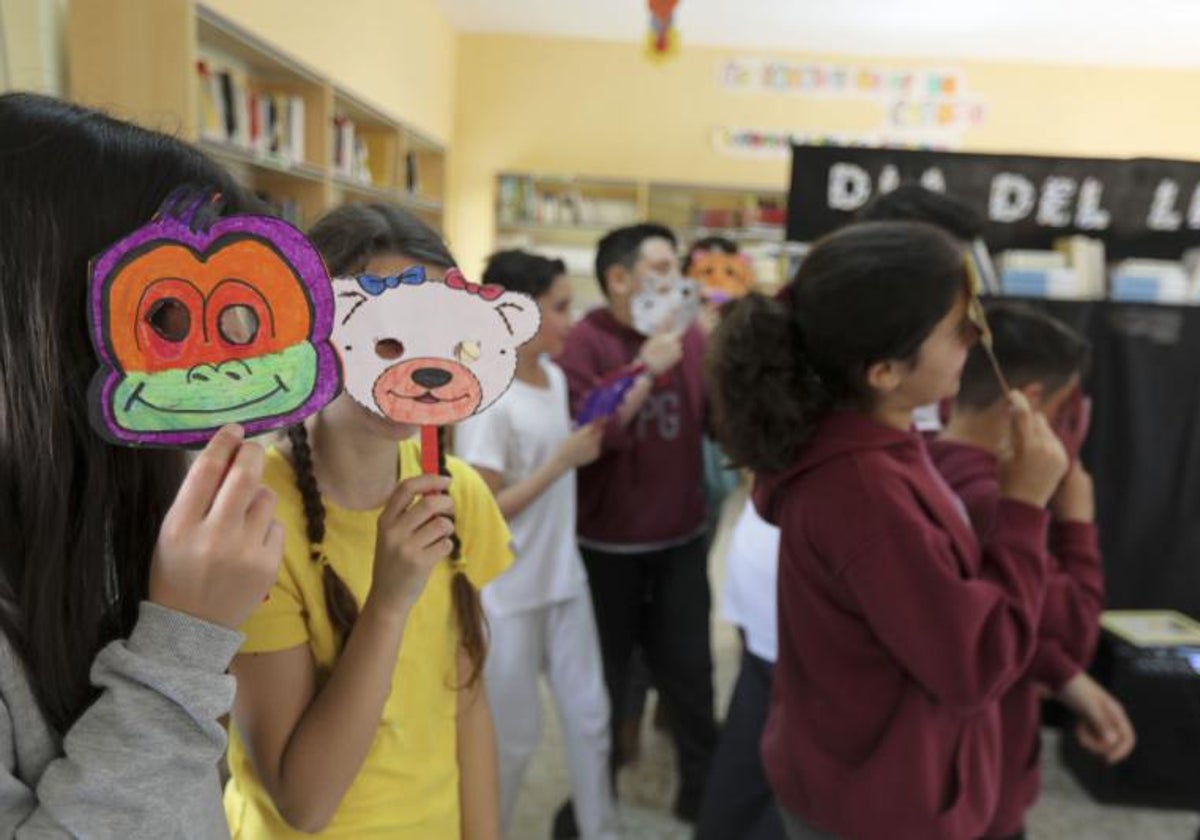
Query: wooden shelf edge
{"points": [[231, 152]]}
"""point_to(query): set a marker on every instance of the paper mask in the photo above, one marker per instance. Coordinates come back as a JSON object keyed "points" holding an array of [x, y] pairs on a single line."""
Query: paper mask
{"points": [[605, 399], [664, 302], [722, 277], [199, 321], [429, 353]]}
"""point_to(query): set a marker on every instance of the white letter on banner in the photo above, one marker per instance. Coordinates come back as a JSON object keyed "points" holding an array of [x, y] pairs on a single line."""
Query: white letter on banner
{"points": [[849, 186], [1089, 215], [1054, 207], [933, 180], [1012, 197], [1163, 215], [889, 179], [1194, 209]]}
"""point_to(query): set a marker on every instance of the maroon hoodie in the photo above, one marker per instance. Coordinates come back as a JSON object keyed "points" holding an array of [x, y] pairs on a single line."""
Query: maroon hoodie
{"points": [[1067, 634], [647, 488], [895, 640]]}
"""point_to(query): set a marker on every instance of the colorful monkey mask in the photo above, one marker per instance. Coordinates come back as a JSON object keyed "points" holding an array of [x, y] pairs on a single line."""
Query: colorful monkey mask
{"points": [[722, 277], [429, 353], [200, 321]]}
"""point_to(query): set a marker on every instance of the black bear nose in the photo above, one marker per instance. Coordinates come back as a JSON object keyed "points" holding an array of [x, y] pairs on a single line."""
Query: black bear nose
{"points": [[432, 377]]}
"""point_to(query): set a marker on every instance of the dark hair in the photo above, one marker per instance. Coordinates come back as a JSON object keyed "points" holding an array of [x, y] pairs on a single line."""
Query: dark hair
{"points": [[348, 238], [914, 203], [623, 246], [521, 271], [1031, 346], [709, 243], [866, 293], [79, 517]]}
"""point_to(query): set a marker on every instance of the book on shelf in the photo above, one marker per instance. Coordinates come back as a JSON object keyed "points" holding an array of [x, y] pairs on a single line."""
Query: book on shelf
{"points": [[1086, 255], [1152, 281], [257, 121], [412, 173], [350, 153]]}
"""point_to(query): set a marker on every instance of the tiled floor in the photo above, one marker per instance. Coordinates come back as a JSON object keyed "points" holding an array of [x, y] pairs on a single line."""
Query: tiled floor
{"points": [[1064, 812]]}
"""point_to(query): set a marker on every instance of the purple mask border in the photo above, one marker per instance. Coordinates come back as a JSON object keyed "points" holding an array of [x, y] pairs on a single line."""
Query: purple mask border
{"points": [[299, 253]]}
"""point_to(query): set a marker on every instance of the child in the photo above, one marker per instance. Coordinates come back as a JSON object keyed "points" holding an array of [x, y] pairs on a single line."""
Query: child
{"points": [[915, 203], [360, 708], [1045, 359], [745, 806], [641, 504], [118, 603], [895, 640], [540, 612]]}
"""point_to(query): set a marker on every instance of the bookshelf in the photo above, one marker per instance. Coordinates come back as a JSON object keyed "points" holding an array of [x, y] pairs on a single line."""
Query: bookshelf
{"points": [[301, 140], [564, 216]]}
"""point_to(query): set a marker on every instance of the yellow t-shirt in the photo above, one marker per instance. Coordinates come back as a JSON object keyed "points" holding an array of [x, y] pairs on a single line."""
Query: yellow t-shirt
{"points": [[408, 785]]}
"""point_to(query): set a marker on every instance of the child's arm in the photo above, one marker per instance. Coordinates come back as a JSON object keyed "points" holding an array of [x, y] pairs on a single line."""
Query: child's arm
{"points": [[150, 738], [479, 781], [580, 449], [1075, 596], [308, 745], [578, 361]]}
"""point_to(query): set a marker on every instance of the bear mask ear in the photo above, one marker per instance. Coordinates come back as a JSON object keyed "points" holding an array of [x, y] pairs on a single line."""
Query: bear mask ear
{"points": [[521, 316]]}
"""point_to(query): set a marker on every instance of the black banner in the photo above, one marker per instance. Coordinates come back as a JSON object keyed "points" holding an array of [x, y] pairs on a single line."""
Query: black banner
{"points": [[1139, 207]]}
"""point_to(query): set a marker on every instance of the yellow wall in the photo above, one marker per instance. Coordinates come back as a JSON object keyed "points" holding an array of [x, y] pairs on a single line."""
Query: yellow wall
{"points": [[598, 108], [398, 54], [31, 46]]}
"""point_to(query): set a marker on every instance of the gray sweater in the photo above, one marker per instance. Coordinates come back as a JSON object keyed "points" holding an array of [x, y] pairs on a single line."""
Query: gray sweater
{"points": [[142, 760]]}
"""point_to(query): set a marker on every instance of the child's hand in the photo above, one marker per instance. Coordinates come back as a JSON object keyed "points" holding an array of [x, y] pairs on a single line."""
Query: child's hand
{"points": [[411, 539], [662, 351], [219, 547], [1075, 498], [1038, 459], [1104, 728], [583, 446], [1074, 419]]}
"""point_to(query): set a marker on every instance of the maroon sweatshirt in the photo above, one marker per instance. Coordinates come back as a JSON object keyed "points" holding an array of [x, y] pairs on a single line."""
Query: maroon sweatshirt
{"points": [[647, 488], [896, 641], [1067, 634]]}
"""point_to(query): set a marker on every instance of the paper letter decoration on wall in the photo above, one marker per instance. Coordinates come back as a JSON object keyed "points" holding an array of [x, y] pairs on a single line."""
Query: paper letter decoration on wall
{"points": [[199, 321]]}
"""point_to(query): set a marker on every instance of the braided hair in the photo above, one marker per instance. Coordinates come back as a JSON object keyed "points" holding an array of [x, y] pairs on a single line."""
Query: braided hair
{"points": [[348, 238]]}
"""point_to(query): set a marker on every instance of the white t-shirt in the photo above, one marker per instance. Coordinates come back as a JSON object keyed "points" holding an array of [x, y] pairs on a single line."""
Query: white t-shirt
{"points": [[514, 437], [751, 569], [927, 418]]}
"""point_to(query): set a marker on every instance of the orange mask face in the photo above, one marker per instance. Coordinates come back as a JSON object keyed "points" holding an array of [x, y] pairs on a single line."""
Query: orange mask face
{"points": [[200, 321], [172, 309], [722, 277]]}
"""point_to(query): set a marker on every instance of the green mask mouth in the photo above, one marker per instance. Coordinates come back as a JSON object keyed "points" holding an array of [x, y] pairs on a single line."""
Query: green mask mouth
{"points": [[211, 395]]}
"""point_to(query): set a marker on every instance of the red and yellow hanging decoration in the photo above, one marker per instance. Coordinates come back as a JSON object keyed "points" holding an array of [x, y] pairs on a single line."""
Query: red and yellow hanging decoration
{"points": [[662, 41]]}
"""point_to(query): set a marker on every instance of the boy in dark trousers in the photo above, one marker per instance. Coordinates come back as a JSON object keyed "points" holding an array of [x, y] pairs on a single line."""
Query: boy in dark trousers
{"points": [[1045, 359], [641, 517]]}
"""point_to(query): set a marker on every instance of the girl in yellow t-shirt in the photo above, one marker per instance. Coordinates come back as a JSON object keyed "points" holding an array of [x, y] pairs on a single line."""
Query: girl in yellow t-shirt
{"points": [[361, 711]]}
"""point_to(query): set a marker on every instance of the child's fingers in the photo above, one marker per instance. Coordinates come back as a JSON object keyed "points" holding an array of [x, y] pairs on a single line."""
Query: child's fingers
{"points": [[432, 532], [439, 506], [203, 479], [1022, 420], [261, 513], [241, 484], [406, 491]]}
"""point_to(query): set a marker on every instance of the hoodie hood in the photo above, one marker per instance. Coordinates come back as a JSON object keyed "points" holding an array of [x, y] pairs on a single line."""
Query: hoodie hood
{"points": [[838, 434]]}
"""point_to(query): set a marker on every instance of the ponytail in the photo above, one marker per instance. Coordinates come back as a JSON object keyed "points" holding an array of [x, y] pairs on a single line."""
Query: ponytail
{"points": [[766, 397], [867, 293]]}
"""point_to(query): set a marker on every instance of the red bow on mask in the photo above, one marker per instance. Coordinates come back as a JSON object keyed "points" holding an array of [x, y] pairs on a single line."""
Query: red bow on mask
{"points": [[455, 280]]}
